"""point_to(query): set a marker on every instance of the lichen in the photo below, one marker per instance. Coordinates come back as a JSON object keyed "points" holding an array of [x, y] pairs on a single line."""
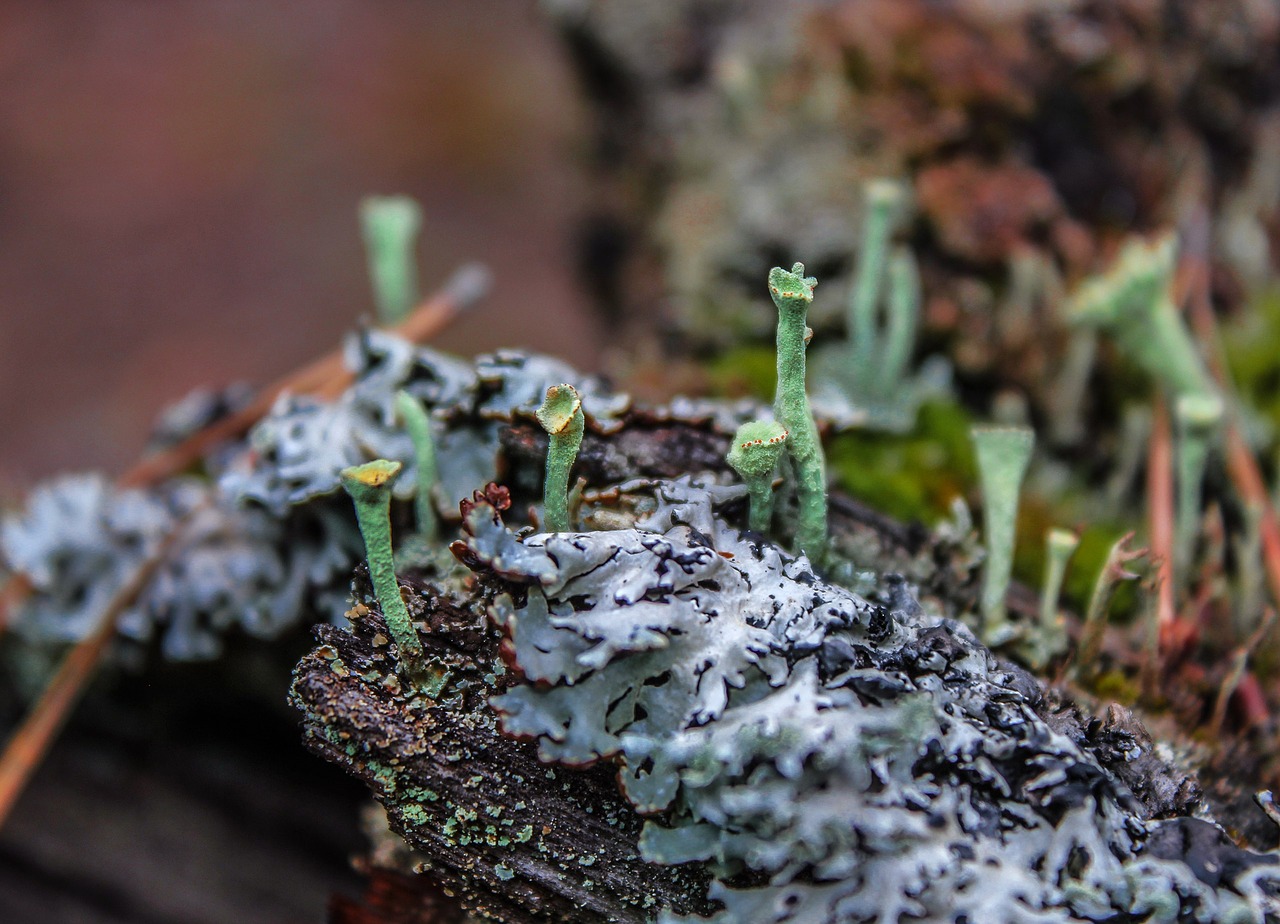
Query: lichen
{"points": [[264, 543], [856, 763]]}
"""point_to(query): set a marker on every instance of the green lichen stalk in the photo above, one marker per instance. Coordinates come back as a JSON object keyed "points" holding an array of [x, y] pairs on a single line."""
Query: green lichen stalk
{"points": [[561, 416], [391, 226], [883, 198], [370, 488], [1002, 454], [792, 293], [904, 315], [418, 423], [1132, 303], [1059, 546], [754, 455], [1198, 417]]}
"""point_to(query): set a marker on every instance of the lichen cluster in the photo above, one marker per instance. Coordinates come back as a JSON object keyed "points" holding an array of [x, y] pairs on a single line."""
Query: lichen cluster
{"points": [[266, 539], [833, 759]]}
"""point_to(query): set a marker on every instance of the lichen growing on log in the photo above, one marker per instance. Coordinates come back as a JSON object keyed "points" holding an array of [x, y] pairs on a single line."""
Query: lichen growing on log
{"points": [[823, 756]]}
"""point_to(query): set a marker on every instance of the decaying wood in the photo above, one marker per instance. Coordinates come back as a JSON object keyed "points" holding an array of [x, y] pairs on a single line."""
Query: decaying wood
{"points": [[513, 839]]}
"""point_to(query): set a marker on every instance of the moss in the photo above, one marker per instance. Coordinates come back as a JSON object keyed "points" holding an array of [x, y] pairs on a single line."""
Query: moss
{"points": [[909, 476], [1118, 687], [741, 372], [1251, 341]]}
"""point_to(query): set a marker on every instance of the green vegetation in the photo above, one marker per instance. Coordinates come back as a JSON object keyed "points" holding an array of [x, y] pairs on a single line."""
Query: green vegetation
{"points": [[391, 225], [1003, 454], [561, 416], [792, 293], [754, 456], [370, 488]]}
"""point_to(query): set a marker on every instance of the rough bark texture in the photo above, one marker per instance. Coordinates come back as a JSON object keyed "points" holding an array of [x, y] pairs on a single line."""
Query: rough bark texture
{"points": [[517, 841], [514, 839]]}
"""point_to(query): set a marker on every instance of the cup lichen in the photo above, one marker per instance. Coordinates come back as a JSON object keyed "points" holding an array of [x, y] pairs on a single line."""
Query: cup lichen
{"points": [[561, 416], [792, 293], [418, 423], [754, 455], [370, 488], [1003, 454], [391, 225]]}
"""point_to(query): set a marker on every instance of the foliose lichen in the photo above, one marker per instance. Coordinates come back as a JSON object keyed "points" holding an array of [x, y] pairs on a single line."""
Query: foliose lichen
{"points": [[267, 538], [830, 758]]}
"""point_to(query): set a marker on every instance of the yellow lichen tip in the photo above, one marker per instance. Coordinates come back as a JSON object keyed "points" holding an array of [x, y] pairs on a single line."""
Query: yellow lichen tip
{"points": [[756, 448], [559, 408], [1061, 541], [373, 474], [790, 285]]}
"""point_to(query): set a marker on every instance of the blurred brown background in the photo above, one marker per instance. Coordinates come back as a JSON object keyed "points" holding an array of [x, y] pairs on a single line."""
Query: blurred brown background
{"points": [[179, 185]]}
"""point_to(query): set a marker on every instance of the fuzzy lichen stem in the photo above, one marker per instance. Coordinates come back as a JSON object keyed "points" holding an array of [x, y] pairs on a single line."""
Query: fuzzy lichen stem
{"points": [[391, 225], [561, 416], [1003, 454], [754, 456], [1197, 417], [370, 488], [1132, 302], [1050, 639], [792, 293], [1060, 544], [904, 314], [418, 423], [882, 198]]}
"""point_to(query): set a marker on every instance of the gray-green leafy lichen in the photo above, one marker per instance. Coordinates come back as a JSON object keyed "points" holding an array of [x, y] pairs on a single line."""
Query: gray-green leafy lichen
{"points": [[264, 541], [830, 759]]}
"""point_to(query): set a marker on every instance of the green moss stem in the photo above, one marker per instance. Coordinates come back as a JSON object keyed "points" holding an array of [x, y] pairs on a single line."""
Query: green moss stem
{"points": [[418, 423], [792, 293], [391, 225], [370, 488], [561, 416]]}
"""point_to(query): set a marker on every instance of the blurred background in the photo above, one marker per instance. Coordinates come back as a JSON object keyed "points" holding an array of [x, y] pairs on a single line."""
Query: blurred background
{"points": [[179, 187]]}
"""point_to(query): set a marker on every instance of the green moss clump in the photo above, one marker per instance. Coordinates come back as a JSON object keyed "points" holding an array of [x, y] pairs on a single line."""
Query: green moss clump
{"points": [[911, 476]]}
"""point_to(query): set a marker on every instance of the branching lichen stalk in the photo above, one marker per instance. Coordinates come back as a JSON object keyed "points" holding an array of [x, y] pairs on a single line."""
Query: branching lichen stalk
{"points": [[792, 293], [754, 456], [1095, 619], [418, 423], [561, 416], [370, 488]]}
